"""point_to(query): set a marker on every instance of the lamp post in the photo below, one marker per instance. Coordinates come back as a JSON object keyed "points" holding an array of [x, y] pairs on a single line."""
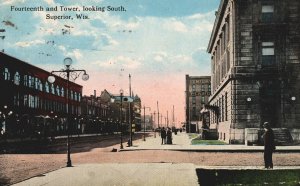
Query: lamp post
{"points": [[74, 74], [145, 122], [121, 126]]}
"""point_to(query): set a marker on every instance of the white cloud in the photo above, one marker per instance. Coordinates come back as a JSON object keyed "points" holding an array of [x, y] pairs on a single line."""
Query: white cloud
{"points": [[9, 2], [29, 43], [176, 25]]}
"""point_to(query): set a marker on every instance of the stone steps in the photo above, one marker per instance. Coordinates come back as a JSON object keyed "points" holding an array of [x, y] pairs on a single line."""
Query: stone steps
{"points": [[282, 136]]}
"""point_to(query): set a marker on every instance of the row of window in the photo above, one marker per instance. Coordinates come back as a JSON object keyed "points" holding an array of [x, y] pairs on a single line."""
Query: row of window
{"points": [[222, 106], [203, 87], [36, 83], [35, 102]]}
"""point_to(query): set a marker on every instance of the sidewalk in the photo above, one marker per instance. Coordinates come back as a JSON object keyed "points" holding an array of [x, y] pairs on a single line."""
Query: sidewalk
{"points": [[147, 174], [182, 142]]}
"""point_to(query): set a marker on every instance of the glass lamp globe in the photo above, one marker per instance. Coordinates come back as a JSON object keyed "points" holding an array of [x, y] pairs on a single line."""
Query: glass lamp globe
{"points": [[85, 77], [121, 91], [68, 61], [51, 79]]}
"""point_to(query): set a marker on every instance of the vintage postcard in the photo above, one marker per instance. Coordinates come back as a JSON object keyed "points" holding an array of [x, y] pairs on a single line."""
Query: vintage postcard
{"points": [[140, 92]]}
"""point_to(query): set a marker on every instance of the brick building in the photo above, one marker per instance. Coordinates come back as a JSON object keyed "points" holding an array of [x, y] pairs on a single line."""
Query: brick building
{"points": [[255, 59], [198, 90], [29, 104]]}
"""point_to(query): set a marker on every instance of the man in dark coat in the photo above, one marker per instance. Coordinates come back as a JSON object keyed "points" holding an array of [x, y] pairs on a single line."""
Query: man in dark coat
{"points": [[269, 145], [169, 136], [163, 135]]}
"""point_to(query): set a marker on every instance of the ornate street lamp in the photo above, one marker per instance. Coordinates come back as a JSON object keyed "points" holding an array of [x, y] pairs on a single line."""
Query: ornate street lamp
{"points": [[74, 74], [121, 126]]}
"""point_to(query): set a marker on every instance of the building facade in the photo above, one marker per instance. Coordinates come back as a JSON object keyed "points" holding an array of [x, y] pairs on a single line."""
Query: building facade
{"points": [[29, 104], [198, 90], [255, 60]]}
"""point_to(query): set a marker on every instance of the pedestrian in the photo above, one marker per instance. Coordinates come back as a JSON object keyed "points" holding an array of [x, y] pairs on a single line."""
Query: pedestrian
{"points": [[163, 135], [169, 136], [269, 145]]}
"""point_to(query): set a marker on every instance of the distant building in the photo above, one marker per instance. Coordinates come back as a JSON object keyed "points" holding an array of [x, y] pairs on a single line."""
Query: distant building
{"points": [[255, 59], [130, 108], [198, 90]]}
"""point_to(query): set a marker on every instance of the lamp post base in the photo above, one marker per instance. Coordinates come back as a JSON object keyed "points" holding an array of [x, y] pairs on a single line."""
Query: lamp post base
{"points": [[69, 163]]}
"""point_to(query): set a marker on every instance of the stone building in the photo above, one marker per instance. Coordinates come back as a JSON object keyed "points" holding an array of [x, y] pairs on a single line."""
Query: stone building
{"points": [[255, 60], [196, 95]]}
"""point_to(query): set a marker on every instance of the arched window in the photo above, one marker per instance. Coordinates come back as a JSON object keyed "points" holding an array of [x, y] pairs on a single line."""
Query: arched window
{"points": [[36, 83], [79, 97], [71, 95], [6, 74], [57, 91], [62, 92], [52, 89], [17, 78], [75, 96], [47, 87], [41, 85]]}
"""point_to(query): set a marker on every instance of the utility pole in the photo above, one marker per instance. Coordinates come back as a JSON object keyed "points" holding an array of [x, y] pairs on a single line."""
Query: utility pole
{"points": [[129, 113], [173, 120], [157, 115], [167, 118], [154, 125]]}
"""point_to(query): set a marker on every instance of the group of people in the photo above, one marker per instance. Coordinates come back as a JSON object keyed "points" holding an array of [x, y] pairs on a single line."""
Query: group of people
{"points": [[166, 136], [268, 136]]}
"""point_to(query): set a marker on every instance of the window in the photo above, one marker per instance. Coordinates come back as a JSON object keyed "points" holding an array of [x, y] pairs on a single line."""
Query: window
{"points": [[6, 74], [36, 83], [267, 12], [268, 54], [25, 100], [41, 85], [194, 100], [202, 99], [71, 95], [17, 78], [52, 89], [47, 87], [29, 81], [62, 92], [193, 87], [75, 96], [226, 111], [25, 81], [79, 97], [57, 91]]}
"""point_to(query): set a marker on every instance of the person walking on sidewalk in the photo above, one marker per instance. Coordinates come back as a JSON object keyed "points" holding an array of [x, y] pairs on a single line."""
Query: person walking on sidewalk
{"points": [[169, 136], [163, 135], [269, 145]]}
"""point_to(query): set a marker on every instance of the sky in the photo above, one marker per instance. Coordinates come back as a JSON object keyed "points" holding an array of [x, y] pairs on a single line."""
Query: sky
{"points": [[158, 42]]}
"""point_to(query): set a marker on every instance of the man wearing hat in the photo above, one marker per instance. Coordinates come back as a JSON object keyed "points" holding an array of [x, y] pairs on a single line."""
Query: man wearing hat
{"points": [[269, 145]]}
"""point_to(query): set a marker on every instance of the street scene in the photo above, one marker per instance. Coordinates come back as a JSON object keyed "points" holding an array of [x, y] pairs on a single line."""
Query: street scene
{"points": [[130, 165], [198, 92]]}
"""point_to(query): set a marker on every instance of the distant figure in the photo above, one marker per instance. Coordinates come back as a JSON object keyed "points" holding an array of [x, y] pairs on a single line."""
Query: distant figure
{"points": [[163, 135], [269, 145], [169, 136]]}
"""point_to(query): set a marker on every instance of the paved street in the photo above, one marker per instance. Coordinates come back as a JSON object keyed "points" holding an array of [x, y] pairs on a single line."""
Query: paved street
{"points": [[19, 167]]}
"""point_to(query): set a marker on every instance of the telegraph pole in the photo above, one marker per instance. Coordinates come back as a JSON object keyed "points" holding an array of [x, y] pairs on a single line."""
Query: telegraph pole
{"points": [[129, 113]]}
